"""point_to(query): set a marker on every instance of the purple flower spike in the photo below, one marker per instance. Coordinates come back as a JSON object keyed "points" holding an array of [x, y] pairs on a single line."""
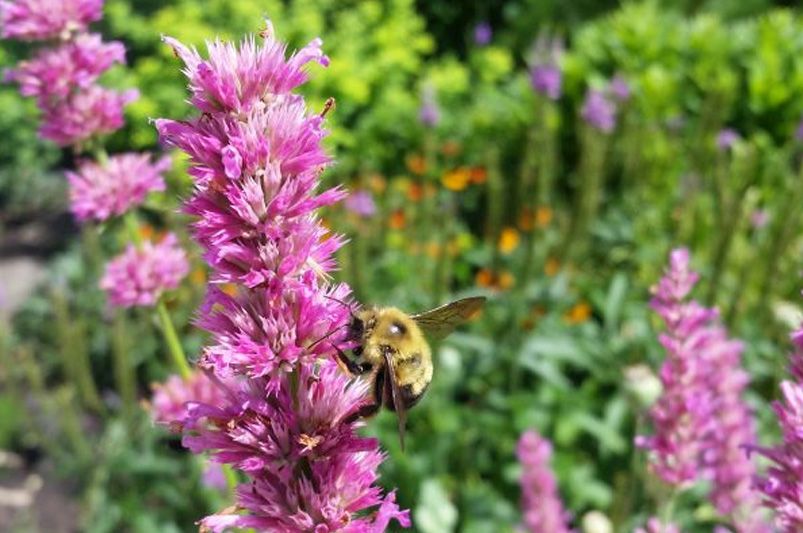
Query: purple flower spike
{"points": [[483, 33], [139, 276], [289, 417], [598, 111], [799, 131], [540, 502], [701, 425], [545, 74], [102, 190], [30, 20], [726, 138]]}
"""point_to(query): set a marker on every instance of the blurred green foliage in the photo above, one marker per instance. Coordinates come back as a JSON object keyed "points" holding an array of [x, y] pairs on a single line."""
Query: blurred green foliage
{"points": [[484, 202]]}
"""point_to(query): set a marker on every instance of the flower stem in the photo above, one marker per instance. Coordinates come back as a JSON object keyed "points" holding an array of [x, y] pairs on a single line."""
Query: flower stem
{"points": [[132, 226], [173, 343]]}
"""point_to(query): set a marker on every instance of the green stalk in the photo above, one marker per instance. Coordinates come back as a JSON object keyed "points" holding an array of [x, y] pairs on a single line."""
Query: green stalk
{"points": [[176, 351], [74, 352], [784, 231], [495, 204], [123, 369]]}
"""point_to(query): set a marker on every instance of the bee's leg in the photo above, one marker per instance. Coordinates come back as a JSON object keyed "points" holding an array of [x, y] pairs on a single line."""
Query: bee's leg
{"points": [[369, 410], [347, 364]]}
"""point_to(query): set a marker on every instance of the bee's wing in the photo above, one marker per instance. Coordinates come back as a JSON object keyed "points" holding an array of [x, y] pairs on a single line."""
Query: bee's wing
{"points": [[398, 404], [441, 321]]}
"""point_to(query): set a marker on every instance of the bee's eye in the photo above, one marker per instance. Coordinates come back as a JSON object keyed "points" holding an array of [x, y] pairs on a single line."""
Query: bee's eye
{"points": [[357, 351], [397, 329]]}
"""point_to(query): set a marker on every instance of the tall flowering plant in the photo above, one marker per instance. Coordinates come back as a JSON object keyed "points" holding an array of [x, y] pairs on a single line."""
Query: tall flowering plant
{"points": [[701, 424], [541, 506], [289, 418], [78, 112]]}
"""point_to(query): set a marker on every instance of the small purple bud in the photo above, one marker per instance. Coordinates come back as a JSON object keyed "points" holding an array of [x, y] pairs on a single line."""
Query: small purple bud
{"points": [[726, 138], [547, 80], [620, 89], [483, 33], [598, 111], [429, 114], [360, 202]]}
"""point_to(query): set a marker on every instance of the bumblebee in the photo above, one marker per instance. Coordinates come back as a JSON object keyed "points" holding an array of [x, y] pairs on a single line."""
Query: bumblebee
{"points": [[392, 352]]}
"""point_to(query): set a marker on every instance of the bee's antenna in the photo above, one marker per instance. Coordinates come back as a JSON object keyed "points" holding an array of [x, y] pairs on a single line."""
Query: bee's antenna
{"points": [[344, 304], [332, 332]]}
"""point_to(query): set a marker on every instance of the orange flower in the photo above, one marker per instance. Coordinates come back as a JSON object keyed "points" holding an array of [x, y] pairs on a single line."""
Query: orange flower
{"points": [[543, 216], [488, 279], [397, 219], [433, 249], [505, 280], [415, 192], [457, 179], [508, 240], [416, 164], [484, 278], [478, 175], [377, 183], [580, 312], [551, 267], [198, 276], [450, 148], [526, 219]]}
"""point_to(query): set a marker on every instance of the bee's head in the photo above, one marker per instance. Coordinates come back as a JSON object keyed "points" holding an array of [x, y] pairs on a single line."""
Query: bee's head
{"points": [[356, 328]]}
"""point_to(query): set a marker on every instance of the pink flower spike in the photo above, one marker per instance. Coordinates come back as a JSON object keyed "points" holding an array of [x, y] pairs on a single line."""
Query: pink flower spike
{"points": [[540, 502], [53, 74], [311, 422], [95, 111], [139, 276], [99, 191], [31, 20], [701, 424], [235, 79]]}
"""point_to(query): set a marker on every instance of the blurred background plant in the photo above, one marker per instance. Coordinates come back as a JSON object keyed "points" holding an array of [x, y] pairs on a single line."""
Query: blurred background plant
{"points": [[547, 155]]}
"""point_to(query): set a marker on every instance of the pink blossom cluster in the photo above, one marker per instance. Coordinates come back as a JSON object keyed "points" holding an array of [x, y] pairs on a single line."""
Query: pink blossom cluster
{"points": [[38, 20], [290, 416], [140, 275], [782, 484], [62, 76], [540, 502], [701, 424], [99, 191], [170, 399]]}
